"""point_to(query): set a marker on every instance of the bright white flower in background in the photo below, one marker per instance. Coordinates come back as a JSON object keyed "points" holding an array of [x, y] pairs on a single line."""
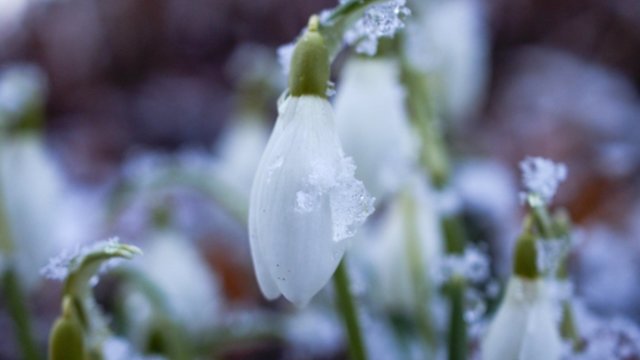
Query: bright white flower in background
{"points": [[305, 200], [33, 192], [191, 290], [373, 124], [238, 153], [21, 86], [524, 327], [542, 176], [413, 213], [117, 348], [451, 41]]}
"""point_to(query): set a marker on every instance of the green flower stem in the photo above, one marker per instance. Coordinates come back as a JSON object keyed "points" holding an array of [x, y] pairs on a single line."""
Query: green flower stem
{"points": [[17, 305], [213, 187], [457, 336], [434, 156], [558, 226], [418, 274], [435, 159], [542, 221], [12, 289], [347, 308]]}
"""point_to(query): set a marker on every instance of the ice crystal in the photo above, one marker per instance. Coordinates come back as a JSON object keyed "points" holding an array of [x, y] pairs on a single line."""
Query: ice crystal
{"points": [[541, 177], [475, 306], [380, 20], [550, 252], [350, 203], [473, 265]]}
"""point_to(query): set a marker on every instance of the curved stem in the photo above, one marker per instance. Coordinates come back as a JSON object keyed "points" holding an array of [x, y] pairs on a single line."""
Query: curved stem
{"points": [[418, 272], [347, 308]]}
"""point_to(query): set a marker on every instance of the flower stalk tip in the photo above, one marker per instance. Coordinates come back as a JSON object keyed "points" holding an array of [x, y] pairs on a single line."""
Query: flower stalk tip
{"points": [[310, 63]]}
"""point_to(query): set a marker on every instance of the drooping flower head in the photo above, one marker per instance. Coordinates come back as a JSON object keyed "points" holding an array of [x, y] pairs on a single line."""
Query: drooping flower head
{"points": [[524, 327], [305, 200]]}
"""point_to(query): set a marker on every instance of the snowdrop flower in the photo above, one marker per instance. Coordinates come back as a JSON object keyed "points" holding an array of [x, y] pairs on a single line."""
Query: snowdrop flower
{"points": [[188, 285], [524, 327], [451, 41], [238, 153], [32, 190], [373, 124], [391, 246], [305, 200]]}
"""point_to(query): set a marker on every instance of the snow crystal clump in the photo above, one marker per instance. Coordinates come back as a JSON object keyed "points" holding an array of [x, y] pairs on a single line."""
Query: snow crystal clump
{"points": [[350, 203], [473, 265], [542, 176], [550, 252], [380, 20]]}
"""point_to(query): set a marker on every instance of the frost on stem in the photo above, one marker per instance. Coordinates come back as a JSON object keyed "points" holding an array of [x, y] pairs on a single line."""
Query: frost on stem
{"points": [[380, 20], [110, 253], [541, 177]]}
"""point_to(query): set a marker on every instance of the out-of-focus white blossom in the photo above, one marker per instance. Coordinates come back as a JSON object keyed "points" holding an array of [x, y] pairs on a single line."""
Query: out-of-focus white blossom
{"points": [[32, 191], [305, 202], [389, 245], [116, 348], [314, 331], [373, 124], [21, 86], [524, 327], [542, 176], [191, 290], [451, 42], [238, 152], [285, 52]]}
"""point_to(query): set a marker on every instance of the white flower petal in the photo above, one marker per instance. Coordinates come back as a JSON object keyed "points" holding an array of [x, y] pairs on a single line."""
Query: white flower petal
{"points": [[373, 124], [32, 191], [523, 327], [304, 201], [388, 251], [191, 290]]}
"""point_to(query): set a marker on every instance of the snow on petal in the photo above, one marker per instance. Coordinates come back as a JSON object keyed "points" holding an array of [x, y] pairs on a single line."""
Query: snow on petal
{"points": [[304, 202]]}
